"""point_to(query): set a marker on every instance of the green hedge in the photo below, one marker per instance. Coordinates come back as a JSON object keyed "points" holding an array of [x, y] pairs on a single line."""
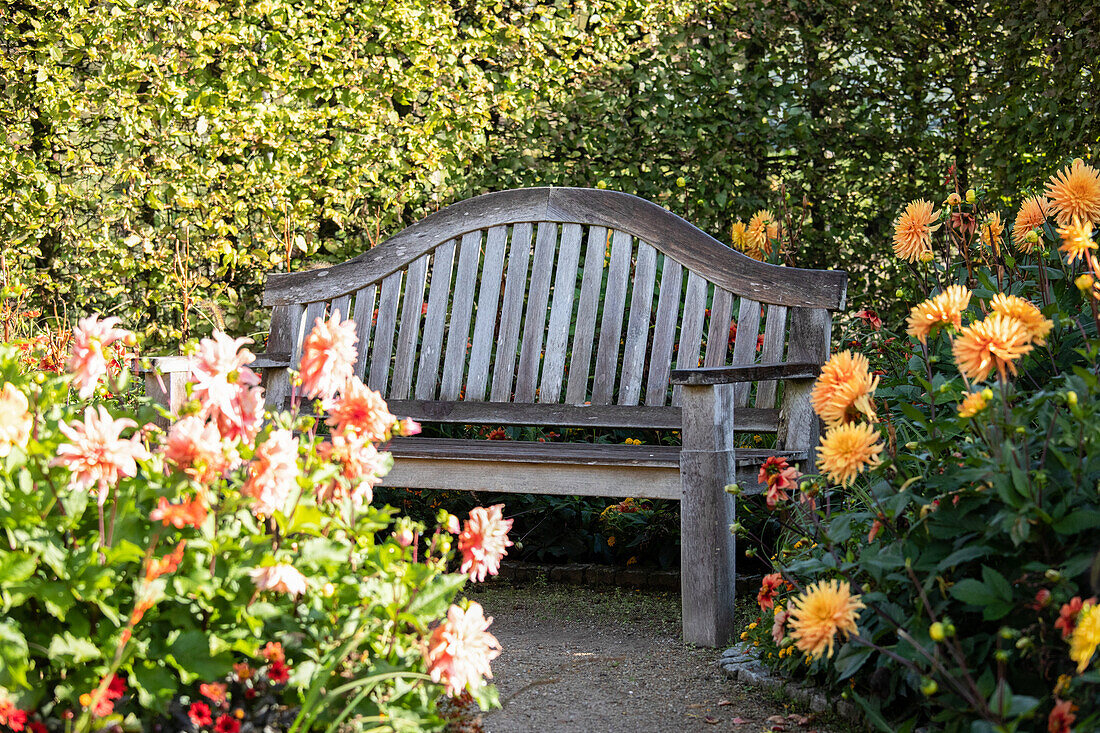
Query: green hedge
{"points": [[162, 157]]}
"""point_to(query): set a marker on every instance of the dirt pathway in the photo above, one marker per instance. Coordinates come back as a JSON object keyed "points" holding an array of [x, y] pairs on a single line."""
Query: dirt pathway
{"points": [[595, 661]]}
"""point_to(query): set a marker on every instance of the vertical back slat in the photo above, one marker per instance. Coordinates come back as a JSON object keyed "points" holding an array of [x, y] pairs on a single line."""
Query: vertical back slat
{"points": [[744, 346], [580, 356], [607, 355], [561, 313], [384, 332], [312, 312], [637, 326], [511, 312], [458, 334], [341, 305], [534, 321], [771, 352], [718, 335], [691, 327], [409, 330], [664, 333], [488, 298], [364, 317], [431, 343]]}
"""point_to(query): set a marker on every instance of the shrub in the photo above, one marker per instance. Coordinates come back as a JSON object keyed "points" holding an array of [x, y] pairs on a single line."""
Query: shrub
{"points": [[939, 567], [233, 568]]}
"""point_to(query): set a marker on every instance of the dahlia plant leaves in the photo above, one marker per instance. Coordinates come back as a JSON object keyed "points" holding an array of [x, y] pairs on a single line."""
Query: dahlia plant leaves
{"points": [[433, 599], [72, 649], [14, 663], [190, 654], [154, 682], [1077, 521], [850, 659], [971, 552]]}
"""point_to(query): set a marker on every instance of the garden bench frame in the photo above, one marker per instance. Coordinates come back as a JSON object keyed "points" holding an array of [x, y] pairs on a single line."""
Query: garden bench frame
{"points": [[537, 338]]}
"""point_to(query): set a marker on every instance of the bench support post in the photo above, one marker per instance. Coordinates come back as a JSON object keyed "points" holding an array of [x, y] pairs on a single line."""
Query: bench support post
{"points": [[166, 383], [708, 552], [799, 425]]}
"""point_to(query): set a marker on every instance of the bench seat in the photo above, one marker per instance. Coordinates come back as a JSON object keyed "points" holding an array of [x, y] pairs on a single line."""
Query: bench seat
{"points": [[581, 469]]}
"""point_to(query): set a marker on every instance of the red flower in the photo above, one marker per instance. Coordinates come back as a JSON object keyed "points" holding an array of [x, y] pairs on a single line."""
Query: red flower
{"points": [[116, 688], [871, 318], [778, 476], [278, 672], [1061, 717], [12, 716], [1042, 600], [227, 724], [37, 727], [199, 712], [1067, 620], [876, 527], [769, 588]]}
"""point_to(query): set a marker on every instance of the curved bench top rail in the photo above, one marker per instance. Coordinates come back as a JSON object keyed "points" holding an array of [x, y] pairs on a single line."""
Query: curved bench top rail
{"points": [[643, 219]]}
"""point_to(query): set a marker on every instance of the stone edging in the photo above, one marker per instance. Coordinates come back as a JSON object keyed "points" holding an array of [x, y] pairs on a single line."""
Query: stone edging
{"points": [[742, 664]]}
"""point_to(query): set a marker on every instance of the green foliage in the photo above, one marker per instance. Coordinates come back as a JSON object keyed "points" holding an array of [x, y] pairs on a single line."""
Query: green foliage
{"points": [[970, 540], [161, 158], [80, 602]]}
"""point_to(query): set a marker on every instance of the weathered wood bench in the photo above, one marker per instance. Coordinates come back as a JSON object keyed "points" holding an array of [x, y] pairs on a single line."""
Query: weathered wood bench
{"points": [[580, 308]]}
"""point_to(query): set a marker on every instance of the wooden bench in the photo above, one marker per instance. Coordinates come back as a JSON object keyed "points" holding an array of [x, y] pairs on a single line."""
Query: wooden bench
{"points": [[580, 308]]}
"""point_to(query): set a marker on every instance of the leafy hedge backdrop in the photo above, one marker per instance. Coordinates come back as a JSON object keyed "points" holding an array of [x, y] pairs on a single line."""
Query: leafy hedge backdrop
{"points": [[161, 157]]}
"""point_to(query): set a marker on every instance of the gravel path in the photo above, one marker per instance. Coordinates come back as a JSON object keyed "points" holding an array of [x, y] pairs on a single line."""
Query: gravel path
{"points": [[594, 661]]}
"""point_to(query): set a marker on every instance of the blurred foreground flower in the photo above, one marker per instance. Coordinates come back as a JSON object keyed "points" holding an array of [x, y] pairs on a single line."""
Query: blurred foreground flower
{"points": [[820, 612]]}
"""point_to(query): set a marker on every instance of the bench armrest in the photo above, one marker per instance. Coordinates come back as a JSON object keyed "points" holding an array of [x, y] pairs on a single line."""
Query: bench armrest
{"points": [[177, 364], [747, 373]]}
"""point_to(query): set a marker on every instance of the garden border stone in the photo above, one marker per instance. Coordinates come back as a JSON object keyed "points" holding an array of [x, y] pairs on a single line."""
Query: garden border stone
{"points": [[742, 664]]}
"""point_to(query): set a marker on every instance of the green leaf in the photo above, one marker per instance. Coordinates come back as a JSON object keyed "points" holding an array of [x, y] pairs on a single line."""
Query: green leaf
{"points": [[1077, 521], [14, 661], [434, 600], [76, 650], [190, 653]]}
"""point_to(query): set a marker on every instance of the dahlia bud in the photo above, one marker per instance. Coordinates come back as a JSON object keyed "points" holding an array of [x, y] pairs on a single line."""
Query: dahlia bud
{"points": [[929, 688], [1032, 237], [971, 196], [953, 200], [733, 489], [937, 631], [1071, 398], [1085, 282]]}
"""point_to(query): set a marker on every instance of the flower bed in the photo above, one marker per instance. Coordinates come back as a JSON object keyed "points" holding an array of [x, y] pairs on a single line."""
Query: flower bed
{"points": [[231, 573], [943, 567]]}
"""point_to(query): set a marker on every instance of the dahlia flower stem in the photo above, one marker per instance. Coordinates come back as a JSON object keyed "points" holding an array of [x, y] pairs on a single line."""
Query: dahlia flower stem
{"points": [[111, 526], [931, 392]]}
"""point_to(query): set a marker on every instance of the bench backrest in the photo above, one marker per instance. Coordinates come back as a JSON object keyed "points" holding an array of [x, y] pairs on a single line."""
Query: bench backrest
{"points": [[557, 306]]}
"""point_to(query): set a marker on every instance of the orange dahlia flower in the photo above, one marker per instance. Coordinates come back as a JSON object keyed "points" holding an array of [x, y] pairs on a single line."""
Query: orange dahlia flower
{"points": [[846, 450], [1076, 240], [998, 341], [1031, 317], [762, 230], [823, 610], [973, 403], [992, 229], [1033, 212], [945, 308], [913, 231], [845, 389], [1074, 193]]}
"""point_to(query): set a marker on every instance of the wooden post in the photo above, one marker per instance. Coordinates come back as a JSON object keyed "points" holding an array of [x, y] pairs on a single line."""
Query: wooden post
{"points": [[165, 383], [286, 327], [809, 341], [708, 550]]}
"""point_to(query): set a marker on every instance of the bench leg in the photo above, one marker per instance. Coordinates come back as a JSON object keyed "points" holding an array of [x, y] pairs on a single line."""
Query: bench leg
{"points": [[707, 548]]}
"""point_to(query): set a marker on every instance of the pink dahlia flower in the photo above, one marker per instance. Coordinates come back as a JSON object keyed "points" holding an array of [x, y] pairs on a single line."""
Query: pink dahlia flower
{"points": [[460, 649], [361, 411], [196, 448], [96, 454], [779, 625], [483, 542], [221, 379], [15, 419], [88, 363], [328, 357], [273, 473], [282, 578], [362, 467]]}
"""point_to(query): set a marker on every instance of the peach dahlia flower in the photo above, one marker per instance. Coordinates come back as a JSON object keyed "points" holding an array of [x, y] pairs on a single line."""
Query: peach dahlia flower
{"points": [[484, 541], [328, 357], [460, 649], [88, 362], [96, 454], [15, 419]]}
